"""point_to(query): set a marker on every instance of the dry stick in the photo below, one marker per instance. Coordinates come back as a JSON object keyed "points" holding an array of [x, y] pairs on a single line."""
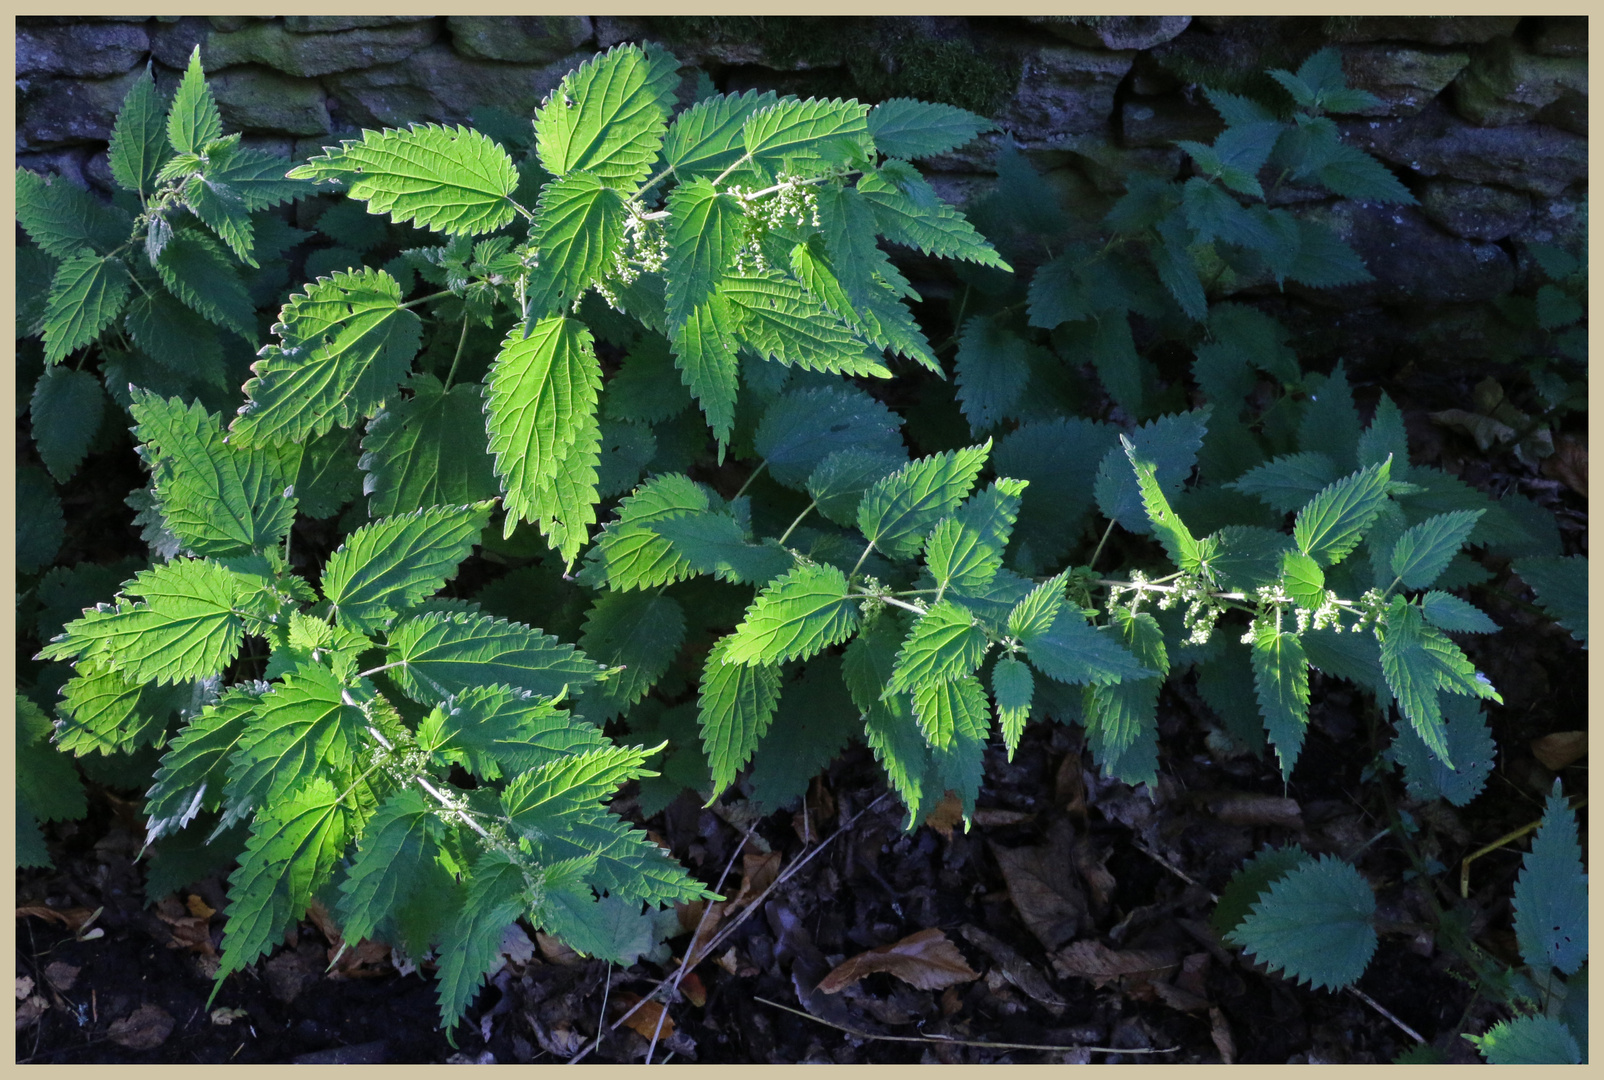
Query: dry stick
{"points": [[955, 1042], [1374, 1004], [706, 910]]}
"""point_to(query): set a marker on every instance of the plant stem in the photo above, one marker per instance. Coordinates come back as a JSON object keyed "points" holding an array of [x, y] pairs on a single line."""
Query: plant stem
{"points": [[760, 467], [425, 299], [858, 565], [1099, 550], [461, 341], [786, 535], [521, 209]]}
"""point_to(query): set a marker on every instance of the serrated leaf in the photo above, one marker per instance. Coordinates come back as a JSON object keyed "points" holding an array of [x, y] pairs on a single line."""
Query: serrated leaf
{"points": [[849, 228], [64, 416], [138, 138], [63, 219], [628, 864], [1251, 881], [807, 610], [735, 706], [1171, 444], [398, 841], [195, 766], [791, 130], [777, 319], [470, 948], [103, 712], [195, 270], [1184, 550], [1011, 687], [1413, 675], [945, 644], [541, 395], [1212, 214], [1335, 520], [176, 337], [838, 482], [706, 138], [1122, 717], [905, 128], [949, 710], [1303, 580], [427, 450], [705, 227], [442, 653], [444, 179], [1470, 747], [291, 852], [186, 627], [1528, 1040], [1424, 552], [222, 210], [1354, 174], [308, 727], [803, 427], [1072, 651], [815, 719], [704, 350], [385, 568], [257, 179], [1281, 683], [1314, 924], [193, 120], [899, 509], [1324, 260], [40, 524], [937, 229], [330, 475], [578, 231], [1288, 482], [641, 632], [1561, 588], [1448, 612], [608, 116], [217, 498], [499, 730], [717, 544], [1059, 459], [1551, 894], [48, 787], [888, 722], [87, 293], [990, 373], [610, 928], [630, 555]]}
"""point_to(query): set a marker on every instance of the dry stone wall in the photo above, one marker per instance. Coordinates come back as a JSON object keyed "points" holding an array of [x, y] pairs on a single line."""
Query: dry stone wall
{"points": [[1484, 118]]}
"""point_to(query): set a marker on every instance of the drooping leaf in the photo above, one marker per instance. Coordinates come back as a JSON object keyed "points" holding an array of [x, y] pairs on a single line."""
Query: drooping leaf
{"points": [[1413, 675], [86, 295], [935, 229], [991, 371], [1072, 651], [1560, 585], [442, 653], [470, 948], [899, 509], [905, 128], [385, 568], [176, 337], [1470, 747], [398, 842], [1122, 717], [640, 632], [1551, 894], [735, 707], [803, 427], [1281, 683], [64, 219], [194, 269], [794, 617], [1171, 444], [427, 450], [444, 179], [704, 231], [48, 786], [704, 350], [1314, 924], [64, 416], [578, 230], [950, 709], [608, 116], [1011, 686], [815, 719], [195, 766]]}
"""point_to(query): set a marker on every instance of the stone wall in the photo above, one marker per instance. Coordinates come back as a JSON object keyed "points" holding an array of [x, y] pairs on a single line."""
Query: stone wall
{"points": [[1484, 118]]}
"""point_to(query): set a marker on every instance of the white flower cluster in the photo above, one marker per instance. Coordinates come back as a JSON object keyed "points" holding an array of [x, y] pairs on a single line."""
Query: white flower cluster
{"points": [[644, 251], [792, 201], [1202, 609]]}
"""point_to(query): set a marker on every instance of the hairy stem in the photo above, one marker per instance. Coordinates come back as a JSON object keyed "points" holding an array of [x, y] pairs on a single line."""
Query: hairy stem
{"points": [[786, 535]]}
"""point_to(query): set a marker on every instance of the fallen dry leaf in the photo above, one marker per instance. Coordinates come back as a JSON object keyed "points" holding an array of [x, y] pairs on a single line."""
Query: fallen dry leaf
{"points": [[73, 919], [1245, 808], [928, 960], [225, 1017], [555, 952], [989, 816], [1014, 968], [1179, 999], [62, 975], [1569, 463], [691, 986], [24, 987], [189, 932], [948, 812], [1194, 974], [367, 960], [1069, 786], [1128, 968], [1220, 1032], [1042, 887], [644, 1019], [1094, 872], [145, 1029], [1560, 749], [198, 907], [29, 1012], [1484, 429], [758, 872]]}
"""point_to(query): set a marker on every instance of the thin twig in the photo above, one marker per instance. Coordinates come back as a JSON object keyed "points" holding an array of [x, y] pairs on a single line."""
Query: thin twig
{"points": [[955, 1042], [1172, 868], [1374, 1004]]}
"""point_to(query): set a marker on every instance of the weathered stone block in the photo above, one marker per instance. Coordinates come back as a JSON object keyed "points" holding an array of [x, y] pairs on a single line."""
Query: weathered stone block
{"points": [[1109, 166], [1569, 112], [229, 23], [1528, 157], [1558, 35], [1475, 211], [521, 39], [328, 24], [438, 85], [1405, 79], [253, 98], [1064, 90], [91, 50], [1505, 84], [1413, 262], [1113, 31], [311, 55], [1424, 29], [56, 112], [1160, 121]]}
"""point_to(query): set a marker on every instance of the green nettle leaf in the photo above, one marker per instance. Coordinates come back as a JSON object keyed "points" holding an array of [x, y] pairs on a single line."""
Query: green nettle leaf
{"points": [[1122, 717], [193, 120], [64, 416], [1414, 675], [1289, 481], [398, 843], [1073, 651], [779, 320], [496, 730], [849, 229], [308, 726], [1529, 1040], [541, 394], [63, 219], [1424, 552], [965, 551], [1281, 683], [1011, 687], [138, 138], [105, 713], [195, 270], [1251, 881], [1171, 443], [187, 626], [1470, 745], [1303, 580], [948, 710], [442, 653], [704, 232], [290, 854], [1035, 612], [935, 229], [888, 722], [946, 644], [1560, 585], [717, 544], [629, 554], [1183, 549], [385, 568], [704, 350], [193, 770], [451, 180], [256, 178], [217, 498], [803, 427], [608, 116], [735, 707], [579, 228], [905, 128], [48, 786], [791, 130], [991, 370], [1448, 612], [86, 295], [838, 482], [344, 346], [897, 512], [176, 337], [815, 720], [428, 450], [1551, 894], [705, 139], [1334, 521], [809, 609], [640, 632], [224, 212], [1315, 924]]}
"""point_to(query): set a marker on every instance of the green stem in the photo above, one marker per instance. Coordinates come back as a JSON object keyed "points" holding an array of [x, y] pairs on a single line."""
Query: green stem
{"points": [[426, 299], [893, 601], [786, 535], [1099, 550], [461, 341], [760, 467], [521, 209], [742, 160], [859, 564]]}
